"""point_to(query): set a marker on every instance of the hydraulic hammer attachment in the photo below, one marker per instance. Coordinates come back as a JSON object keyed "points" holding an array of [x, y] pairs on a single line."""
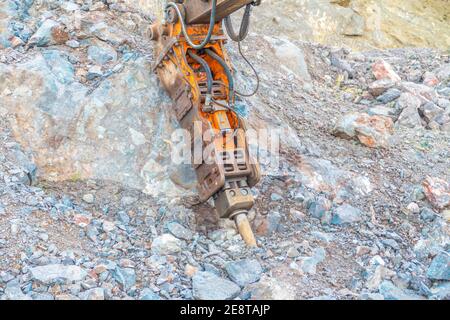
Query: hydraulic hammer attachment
{"points": [[194, 68]]}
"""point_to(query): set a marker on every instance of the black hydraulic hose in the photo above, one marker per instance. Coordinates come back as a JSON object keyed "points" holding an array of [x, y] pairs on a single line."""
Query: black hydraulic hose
{"points": [[245, 24], [243, 32], [212, 22], [227, 70], [254, 71], [205, 66]]}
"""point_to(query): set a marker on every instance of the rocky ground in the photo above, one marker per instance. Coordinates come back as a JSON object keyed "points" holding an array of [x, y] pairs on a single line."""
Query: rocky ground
{"points": [[90, 207]]}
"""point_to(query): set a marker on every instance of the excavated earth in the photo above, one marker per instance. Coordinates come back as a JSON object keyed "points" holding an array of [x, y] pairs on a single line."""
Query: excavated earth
{"points": [[92, 208]]}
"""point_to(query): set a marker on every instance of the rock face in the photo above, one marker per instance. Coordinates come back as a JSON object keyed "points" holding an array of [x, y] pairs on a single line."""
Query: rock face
{"points": [[77, 134], [359, 24]]}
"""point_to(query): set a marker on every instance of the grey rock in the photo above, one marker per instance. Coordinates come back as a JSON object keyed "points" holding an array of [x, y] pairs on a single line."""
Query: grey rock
{"points": [[123, 217], [127, 201], [428, 215], [389, 96], [208, 286], [309, 264], [166, 245], [430, 111], [322, 236], [14, 292], [54, 272], [441, 291], [93, 294], [44, 296], [92, 232], [371, 296], [102, 54], [276, 197], [444, 104], [43, 236], [376, 274], [443, 72], [379, 87], [244, 272], [88, 198], [422, 92], [440, 267], [6, 277], [408, 100], [273, 222], [94, 72], [391, 243], [222, 234], [69, 6], [60, 66], [342, 64], [148, 294], [104, 141], [293, 252], [291, 55], [317, 208], [391, 292], [409, 116], [382, 111], [346, 214], [126, 277], [212, 269], [107, 33], [73, 44], [179, 231]]}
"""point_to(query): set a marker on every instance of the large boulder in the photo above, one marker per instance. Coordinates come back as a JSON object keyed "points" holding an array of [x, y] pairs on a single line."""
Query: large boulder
{"points": [[116, 131]]}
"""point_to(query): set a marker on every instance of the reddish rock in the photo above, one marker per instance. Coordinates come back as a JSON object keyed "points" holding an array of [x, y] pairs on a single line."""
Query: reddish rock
{"points": [[100, 268], [81, 220], [190, 271], [430, 79], [437, 192], [59, 35], [371, 131], [16, 42], [383, 70]]}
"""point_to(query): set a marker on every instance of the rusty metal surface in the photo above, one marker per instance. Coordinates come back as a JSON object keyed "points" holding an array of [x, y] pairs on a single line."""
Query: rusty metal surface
{"points": [[198, 12], [229, 201]]}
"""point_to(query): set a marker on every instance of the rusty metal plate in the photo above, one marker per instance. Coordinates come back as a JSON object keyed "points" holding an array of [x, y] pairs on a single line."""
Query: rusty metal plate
{"points": [[199, 12]]}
